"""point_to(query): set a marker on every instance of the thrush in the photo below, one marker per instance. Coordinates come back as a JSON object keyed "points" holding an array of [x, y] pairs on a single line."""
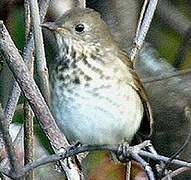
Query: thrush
{"points": [[96, 94]]}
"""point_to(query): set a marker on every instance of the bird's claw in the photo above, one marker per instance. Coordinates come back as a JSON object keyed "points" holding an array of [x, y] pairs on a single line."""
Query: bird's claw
{"points": [[73, 146], [124, 151], [69, 148]]}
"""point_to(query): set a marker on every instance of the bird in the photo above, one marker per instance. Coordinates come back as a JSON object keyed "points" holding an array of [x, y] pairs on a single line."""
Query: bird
{"points": [[96, 95]]}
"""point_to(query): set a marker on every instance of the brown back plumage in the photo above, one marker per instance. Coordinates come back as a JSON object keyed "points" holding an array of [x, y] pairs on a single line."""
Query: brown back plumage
{"points": [[147, 122]]}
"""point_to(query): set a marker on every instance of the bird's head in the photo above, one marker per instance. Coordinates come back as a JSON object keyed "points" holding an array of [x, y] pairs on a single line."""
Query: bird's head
{"points": [[84, 25]]}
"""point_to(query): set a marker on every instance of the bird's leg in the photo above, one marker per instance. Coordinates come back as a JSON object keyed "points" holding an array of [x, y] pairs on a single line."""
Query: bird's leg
{"points": [[75, 145], [124, 152], [69, 148]]}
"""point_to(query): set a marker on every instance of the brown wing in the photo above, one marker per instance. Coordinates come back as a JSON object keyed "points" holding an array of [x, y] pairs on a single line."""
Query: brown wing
{"points": [[146, 124]]}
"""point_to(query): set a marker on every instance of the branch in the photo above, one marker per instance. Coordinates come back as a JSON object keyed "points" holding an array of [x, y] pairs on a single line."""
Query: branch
{"points": [[29, 88], [166, 76], [44, 5], [28, 114], [42, 70], [27, 55], [8, 143], [33, 95], [144, 27], [131, 150]]}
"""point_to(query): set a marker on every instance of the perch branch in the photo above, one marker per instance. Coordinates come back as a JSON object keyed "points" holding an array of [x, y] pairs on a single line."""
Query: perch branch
{"points": [[113, 148]]}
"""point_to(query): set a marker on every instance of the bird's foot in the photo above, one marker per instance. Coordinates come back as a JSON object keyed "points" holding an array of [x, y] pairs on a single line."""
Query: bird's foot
{"points": [[69, 148], [65, 151], [73, 146], [125, 151]]}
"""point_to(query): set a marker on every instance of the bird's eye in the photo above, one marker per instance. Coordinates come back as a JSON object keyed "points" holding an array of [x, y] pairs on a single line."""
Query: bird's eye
{"points": [[79, 28]]}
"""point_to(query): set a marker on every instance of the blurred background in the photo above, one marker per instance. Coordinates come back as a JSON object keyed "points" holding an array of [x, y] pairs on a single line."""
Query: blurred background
{"points": [[167, 49]]}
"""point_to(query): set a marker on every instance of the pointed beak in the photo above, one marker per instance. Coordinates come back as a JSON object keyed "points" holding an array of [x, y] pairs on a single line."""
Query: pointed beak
{"points": [[50, 25]]}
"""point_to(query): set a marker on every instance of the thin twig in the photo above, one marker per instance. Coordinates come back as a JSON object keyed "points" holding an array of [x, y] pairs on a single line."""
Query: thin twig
{"points": [[27, 19], [28, 114], [167, 76], [12, 101], [140, 36], [42, 70], [141, 18], [27, 54], [28, 138], [8, 143], [44, 4], [187, 113], [16, 144]]}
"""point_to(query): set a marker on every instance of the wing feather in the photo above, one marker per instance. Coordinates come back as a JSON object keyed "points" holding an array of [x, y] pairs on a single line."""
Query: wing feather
{"points": [[147, 122]]}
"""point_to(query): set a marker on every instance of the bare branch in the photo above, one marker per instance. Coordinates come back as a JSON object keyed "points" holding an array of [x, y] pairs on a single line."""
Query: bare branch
{"points": [[143, 28], [33, 95], [28, 138], [44, 4], [8, 143], [141, 18], [132, 152], [28, 114], [12, 101], [29, 88], [166, 76], [42, 70], [27, 54]]}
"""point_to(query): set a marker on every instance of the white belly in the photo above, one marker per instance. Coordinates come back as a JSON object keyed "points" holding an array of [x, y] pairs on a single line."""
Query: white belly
{"points": [[102, 116]]}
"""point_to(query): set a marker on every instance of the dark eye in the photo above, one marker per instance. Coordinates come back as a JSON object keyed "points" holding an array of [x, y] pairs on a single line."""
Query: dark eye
{"points": [[79, 28]]}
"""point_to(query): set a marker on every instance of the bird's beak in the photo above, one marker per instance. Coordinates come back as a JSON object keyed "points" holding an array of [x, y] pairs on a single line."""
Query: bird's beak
{"points": [[50, 25]]}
